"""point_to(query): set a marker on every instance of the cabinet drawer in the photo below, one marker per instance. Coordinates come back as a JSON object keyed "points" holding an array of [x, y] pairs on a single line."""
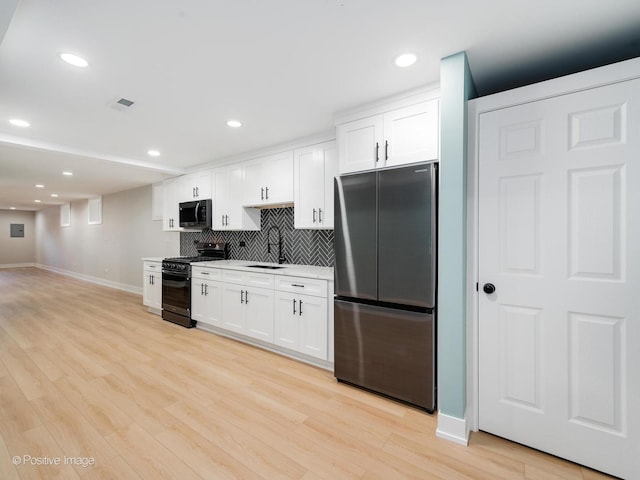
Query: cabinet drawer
{"points": [[248, 279], [152, 266], [302, 286], [206, 273]]}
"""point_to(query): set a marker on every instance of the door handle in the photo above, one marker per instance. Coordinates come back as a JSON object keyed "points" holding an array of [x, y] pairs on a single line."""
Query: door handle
{"points": [[202, 289], [206, 289], [386, 150], [246, 296], [226, 220], [377, 152], [319, 215], [241, 296], [266, 191], [261, 193], [314, 215], [300, 308], [294, 306], [489, 288]]}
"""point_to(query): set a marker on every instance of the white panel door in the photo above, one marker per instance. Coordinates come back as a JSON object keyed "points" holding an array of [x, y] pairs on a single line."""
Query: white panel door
{"points": [[233, 311], [559, 235]]}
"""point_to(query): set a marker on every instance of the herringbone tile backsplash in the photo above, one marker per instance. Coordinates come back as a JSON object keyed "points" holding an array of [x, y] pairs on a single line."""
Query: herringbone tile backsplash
{"points": [[304, 247]]}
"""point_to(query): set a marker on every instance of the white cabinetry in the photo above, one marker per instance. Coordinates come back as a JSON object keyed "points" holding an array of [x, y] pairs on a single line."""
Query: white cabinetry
{"points": [[269, 180], [247, 304], [195, 186], [314, 170], [394, 137], [171, 212], [206, 295], [301, 315], [152, 285], [228, 212]]}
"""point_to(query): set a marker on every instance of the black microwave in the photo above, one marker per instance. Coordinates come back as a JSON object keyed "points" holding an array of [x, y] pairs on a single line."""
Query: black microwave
{"points": [[196, 214]]}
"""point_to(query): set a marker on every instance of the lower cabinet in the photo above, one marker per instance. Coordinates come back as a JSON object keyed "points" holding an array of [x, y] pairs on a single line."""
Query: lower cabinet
{"points": [[301, 323], [248, 310], [206, 301], [152, 285], [290, 312]]}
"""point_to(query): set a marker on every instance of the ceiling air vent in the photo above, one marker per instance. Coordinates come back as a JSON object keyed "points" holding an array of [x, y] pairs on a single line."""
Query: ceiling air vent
{"points": [[121, 104]]}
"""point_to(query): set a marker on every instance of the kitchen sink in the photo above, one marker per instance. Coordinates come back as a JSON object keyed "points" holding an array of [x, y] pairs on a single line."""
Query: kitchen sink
{"points": [[268, 267]]}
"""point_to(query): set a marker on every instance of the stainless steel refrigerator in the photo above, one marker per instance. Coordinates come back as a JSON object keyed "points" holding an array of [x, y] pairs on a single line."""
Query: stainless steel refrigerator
{"points": [[385, 281]]}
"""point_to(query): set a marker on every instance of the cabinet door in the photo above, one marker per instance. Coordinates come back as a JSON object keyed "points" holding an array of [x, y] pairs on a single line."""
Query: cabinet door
{"points": [[233, 307], [312, 314], [411, 133], [360, 143], [171, 218], [286, 321], [199, 308], [254, 182], [213, 302], [330, 154], [279, 168], [259, 313], [308, 191], [220, 180], [202, 184], [148, 292]]}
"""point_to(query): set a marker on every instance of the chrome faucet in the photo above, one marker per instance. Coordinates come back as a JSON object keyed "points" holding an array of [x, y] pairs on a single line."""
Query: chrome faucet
{"points": [[281, 258]]}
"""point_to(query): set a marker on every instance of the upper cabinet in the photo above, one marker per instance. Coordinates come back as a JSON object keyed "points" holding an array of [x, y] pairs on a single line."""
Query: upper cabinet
{"points": [[268, 180], [394, 137], [171, 212], [228, 212], [195, 186], [314, 169]]}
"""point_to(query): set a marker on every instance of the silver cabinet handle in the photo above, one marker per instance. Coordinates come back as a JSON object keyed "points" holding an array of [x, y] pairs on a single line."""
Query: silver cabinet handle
{"points": [[206, 289], [266, 193], [204, 273], [241, 296], [319, 215], [300, 309], [198, 192], [246, 296], [386, 150], [226, 217], [314, 215], [297, 285], [377, 150], [261, 193], [294, 306]]}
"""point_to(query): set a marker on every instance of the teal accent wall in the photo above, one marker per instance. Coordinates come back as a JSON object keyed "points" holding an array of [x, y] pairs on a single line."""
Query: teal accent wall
{"points": [[456, 87]]}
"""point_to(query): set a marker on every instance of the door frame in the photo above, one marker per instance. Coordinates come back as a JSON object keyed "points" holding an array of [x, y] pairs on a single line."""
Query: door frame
{"points": [[598, 77]]}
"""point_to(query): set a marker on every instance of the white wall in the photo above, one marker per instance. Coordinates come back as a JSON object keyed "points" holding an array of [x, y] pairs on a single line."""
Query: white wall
{"points": [[17, 251], [111, 252]]}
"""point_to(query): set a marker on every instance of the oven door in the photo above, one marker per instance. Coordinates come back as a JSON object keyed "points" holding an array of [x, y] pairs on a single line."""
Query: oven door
{"points": [[176, 293]]}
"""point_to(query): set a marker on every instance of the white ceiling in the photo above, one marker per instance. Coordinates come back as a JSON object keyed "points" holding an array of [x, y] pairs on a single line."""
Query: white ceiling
{"points": [[282, 67]]}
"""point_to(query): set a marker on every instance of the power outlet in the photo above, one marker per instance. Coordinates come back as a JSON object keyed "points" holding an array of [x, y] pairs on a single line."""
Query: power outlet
{"points": [[243, 243]]}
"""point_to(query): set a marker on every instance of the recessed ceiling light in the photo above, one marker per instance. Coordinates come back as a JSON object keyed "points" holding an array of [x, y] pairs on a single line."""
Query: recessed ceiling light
{"points": [[406, 59], [234, 123], [37, 201], [39, 185], [54, 195], [17, 122], [68, 174], [153, 153], [74, 60]]}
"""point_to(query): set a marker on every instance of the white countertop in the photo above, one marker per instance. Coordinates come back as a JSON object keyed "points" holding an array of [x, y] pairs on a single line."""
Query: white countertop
{"points": [[307, 271], [152, 259]]}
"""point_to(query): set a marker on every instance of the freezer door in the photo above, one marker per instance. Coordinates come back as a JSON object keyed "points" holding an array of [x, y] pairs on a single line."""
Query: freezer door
{"points": [[386, 350], [355, 236], [407, 235]]}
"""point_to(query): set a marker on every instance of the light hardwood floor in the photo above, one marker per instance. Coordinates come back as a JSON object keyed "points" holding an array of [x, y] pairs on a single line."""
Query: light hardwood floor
{"points": [[86, 371]]}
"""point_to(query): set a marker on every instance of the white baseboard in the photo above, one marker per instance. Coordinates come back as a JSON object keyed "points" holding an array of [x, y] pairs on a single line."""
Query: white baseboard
{"points": [[97, 280], [453, 429], [17, 265]]}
